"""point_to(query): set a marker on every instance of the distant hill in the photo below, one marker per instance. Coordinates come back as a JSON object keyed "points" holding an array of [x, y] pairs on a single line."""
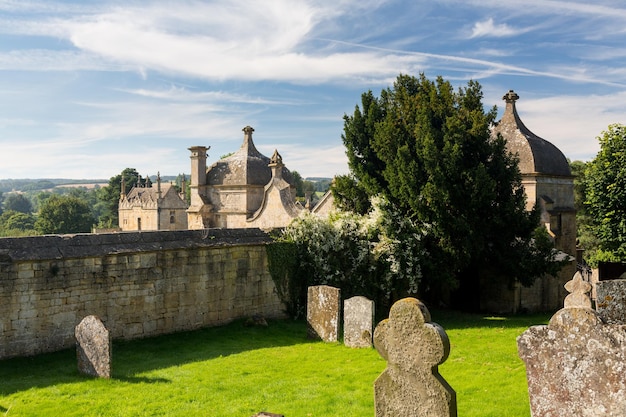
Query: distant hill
{"points": [[36, 184], [29, 184], [322, 184]]}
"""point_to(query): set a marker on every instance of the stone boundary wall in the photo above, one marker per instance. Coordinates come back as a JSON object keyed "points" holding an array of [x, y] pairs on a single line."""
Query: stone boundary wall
{"points": [[139, 284]]}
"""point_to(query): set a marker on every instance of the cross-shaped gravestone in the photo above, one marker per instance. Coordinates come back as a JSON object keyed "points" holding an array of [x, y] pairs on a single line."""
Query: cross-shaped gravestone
{"points": [[413, 348]]}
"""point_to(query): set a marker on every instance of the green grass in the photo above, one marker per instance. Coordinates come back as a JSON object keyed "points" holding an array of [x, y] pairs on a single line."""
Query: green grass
{"points": [[238, 371]]}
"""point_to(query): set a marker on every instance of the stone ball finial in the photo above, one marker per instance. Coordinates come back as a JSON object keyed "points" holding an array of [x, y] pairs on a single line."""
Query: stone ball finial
{"points": [[510, 97], [248, 130]]}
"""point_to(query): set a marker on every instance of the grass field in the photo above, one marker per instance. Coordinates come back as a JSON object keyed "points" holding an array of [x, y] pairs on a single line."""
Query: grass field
{"points": [[238, 371]]}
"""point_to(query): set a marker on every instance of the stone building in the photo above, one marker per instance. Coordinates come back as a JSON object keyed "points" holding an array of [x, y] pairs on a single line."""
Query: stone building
{"points": [[155, 207], [246, 189], [548, 182]]}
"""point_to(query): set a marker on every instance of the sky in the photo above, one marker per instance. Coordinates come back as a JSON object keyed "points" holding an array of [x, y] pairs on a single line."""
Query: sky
{"points": [[89, 88]]}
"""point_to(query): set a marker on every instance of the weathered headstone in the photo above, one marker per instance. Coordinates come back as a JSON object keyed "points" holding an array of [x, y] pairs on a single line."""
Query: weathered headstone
{"points": [[611, 300], [413, 347], [358, 322], [322, 312], [93, 347], [576, 365]]}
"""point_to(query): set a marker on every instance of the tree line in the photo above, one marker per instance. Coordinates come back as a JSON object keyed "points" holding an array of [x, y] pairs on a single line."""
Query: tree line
{"points": [[60, 210]]}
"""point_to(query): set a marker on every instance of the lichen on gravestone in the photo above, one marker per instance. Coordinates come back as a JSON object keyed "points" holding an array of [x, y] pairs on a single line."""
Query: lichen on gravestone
{"points": [[358, 322], [576, 365], [611, 300], [93, 347], [323, 311], [413, 347]]}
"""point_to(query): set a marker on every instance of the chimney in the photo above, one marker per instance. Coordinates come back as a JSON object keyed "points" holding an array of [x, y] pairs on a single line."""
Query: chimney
{"points": [[198, 165]]}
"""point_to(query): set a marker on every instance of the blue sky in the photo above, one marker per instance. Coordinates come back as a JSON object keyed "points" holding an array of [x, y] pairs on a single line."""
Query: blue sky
{"points": [[88, 88]]}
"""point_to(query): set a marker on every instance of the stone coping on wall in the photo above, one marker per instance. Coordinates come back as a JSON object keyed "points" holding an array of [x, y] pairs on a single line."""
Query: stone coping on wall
{"points": [[88, 244]]}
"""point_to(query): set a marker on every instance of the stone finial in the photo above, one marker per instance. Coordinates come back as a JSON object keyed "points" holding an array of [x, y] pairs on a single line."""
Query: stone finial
{"points": [[413, 348], [247, 131], [510, 97], [158, 178], [123, 188], [579, 292], [276, 158]]}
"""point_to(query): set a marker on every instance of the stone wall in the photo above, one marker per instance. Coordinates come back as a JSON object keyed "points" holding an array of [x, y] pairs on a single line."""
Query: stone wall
{"points": [[140, 284]]}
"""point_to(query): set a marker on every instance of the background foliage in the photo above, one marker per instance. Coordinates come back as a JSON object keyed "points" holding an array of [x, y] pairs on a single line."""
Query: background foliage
{"points": [[378, 255], [428, 150], [603, 187]]}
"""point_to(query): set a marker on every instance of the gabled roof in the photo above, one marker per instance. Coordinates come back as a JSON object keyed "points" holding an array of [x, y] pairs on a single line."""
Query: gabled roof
{"points": [[149, 197], [536, 155]]}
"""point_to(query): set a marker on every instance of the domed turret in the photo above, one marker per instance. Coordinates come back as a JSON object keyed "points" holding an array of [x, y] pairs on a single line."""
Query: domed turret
{"points": [[536, 155]]}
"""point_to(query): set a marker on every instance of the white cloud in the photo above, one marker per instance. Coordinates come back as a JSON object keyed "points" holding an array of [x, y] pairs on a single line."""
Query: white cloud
{"points": [[488, 28], [47, 60]]}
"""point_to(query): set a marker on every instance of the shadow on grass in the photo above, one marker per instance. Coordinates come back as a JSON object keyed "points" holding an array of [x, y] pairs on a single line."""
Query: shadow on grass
{"points": [[452, 319], [133, 358]]}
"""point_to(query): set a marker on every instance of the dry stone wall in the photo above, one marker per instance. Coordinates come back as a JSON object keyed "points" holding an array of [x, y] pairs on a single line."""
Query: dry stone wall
{"points": [[140, 284]]}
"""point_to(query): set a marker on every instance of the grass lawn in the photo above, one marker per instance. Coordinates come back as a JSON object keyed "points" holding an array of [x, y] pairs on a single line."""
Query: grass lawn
{"points": [[238, 371]]}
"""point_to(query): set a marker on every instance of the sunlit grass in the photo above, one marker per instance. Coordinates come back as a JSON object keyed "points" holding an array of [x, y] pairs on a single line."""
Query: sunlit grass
{"points": [[239, 371]]}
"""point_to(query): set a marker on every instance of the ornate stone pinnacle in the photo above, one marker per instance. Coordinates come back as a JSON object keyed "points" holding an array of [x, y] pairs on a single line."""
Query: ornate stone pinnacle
{"points": [[276, 158], [579, 289]]}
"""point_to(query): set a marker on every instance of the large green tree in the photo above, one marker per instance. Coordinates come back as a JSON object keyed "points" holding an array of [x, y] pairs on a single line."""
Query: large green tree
{"points": [[585, 228], [350, 195], [605, 179], [428, 150], [109, 196], [64, 214], [18, 202]]}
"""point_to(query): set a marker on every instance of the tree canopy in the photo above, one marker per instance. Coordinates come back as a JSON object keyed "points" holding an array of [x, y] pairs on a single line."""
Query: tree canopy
{"points": [[18, 202], [64, 214], [428, 150], [16, 223], [605, 204]]}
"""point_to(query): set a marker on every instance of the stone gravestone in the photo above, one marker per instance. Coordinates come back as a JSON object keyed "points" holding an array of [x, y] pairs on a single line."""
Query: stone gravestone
{"points": [[575, 365], [93, 347], [358, 322], [611, 300], [413, 347], [322, 313]]}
